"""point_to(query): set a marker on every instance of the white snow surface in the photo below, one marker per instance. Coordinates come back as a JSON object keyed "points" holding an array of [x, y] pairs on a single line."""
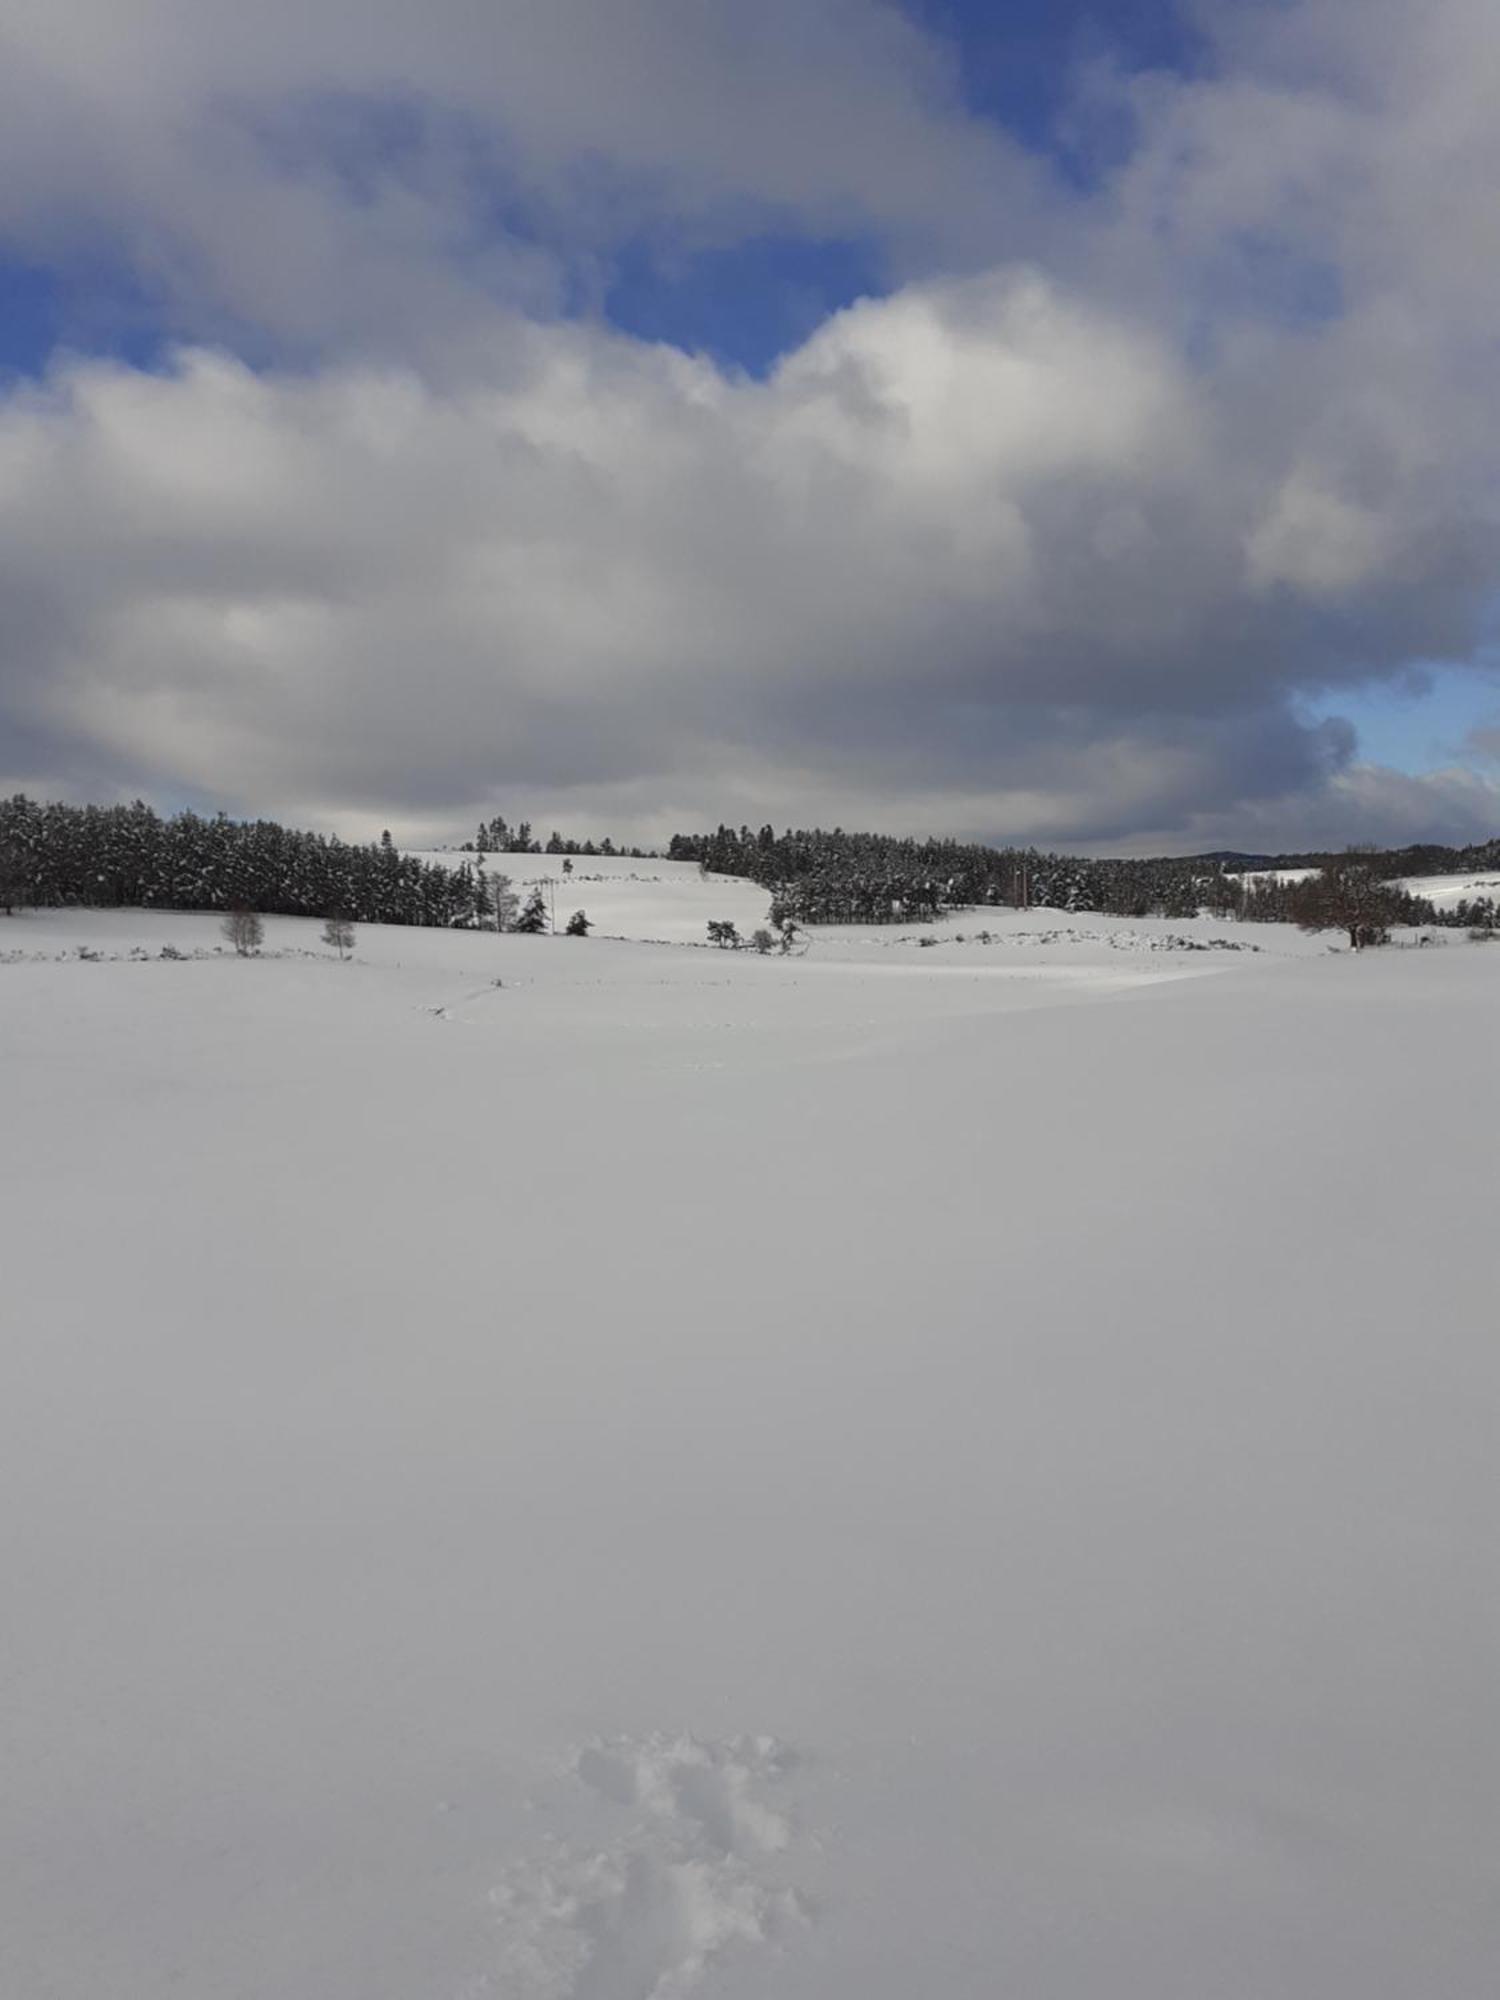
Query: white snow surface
{"points": [[960, 1471]]}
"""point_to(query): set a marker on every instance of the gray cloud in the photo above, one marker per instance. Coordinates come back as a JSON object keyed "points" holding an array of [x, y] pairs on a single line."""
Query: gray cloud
{"points": [[1049, 550]]}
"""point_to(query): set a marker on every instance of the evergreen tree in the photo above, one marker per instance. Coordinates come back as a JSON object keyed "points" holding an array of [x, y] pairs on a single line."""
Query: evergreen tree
{"points": [[533, 917], [578, 925], [14, 875]]}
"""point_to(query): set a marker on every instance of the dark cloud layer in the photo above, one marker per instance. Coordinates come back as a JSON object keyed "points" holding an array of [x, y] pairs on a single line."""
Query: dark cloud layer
{"points": [[1051, 542]]}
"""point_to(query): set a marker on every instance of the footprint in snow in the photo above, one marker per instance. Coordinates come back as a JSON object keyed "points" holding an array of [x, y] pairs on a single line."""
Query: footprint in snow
{"points": [[690, 1873]]}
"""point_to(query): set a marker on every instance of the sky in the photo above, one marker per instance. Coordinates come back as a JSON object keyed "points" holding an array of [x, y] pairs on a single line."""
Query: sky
{"points": [[1020, 420]]}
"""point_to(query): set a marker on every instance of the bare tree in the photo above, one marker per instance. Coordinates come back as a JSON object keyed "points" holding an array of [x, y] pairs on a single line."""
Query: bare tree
{"points": [[496, 897], [507, 902], [339, 932], [1350, 895], [244, 930]]}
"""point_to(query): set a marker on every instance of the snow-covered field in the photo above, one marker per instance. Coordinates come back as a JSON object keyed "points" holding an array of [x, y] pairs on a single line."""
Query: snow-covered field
{"points": [[1443, 891], [668, 901], [958, 1472]]}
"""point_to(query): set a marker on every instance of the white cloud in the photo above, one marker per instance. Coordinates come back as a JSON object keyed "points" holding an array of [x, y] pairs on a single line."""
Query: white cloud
{"points": [[338, 172]]}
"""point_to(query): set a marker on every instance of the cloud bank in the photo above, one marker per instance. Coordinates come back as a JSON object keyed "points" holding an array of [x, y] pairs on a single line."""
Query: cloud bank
{"points": [[1051, 541]]}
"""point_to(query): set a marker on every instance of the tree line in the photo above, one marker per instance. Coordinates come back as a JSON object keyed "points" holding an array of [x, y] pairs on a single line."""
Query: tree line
{"points": [[130, 856], [818, 877], [498, 836]]}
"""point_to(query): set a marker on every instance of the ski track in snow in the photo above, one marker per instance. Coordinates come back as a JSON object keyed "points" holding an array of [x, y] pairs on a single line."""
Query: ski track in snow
{"points": [[690, 1868]]}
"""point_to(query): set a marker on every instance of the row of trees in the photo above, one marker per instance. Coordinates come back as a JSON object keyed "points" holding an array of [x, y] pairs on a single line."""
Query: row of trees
{"points": [[131, 857], [246, 932], [785, 938], [837, 877], [498, 836], [816, 876], [114, 856]]}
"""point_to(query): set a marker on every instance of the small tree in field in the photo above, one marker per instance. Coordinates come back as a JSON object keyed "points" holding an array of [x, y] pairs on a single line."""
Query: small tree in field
{"points": [[578, 925], [762, 941], [244, 930], [495, 897], [724, 935], [533, 919], [507, 902], [1349, 895], [339, 933]]}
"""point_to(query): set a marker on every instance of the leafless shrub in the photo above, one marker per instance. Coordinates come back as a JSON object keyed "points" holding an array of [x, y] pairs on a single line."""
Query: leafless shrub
{"points": [[244, 930]]}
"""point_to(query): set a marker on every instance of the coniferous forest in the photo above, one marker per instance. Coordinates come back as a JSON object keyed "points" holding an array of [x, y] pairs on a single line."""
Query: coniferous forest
{"points": [[838, 877], [129, 855]]}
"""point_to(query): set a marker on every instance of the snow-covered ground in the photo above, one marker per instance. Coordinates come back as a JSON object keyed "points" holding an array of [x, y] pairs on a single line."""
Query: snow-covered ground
{"points": [[952, 1471]]}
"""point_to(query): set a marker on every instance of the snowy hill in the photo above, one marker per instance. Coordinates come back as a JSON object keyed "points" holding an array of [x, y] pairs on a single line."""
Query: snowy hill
{"points": [[673, 902], [670, 901], [554, 1469], [1444, 891]]}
